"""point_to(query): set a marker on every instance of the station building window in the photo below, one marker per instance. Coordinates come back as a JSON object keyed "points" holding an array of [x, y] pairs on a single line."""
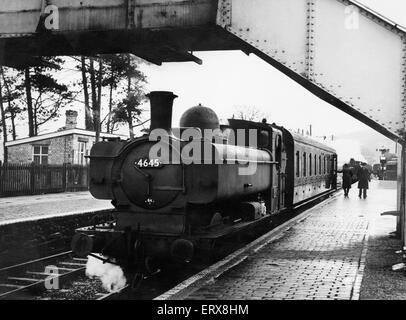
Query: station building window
{"points": [[40, 154], [82, 152], [310, 164]]}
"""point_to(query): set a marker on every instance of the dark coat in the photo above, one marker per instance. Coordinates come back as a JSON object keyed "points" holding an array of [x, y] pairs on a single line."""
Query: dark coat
{"points": [[347, 177], [363, 178]]}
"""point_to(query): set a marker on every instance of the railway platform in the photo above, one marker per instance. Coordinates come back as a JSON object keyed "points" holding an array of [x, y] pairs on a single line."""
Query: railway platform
{"points": [[23, 208], [340, 249]]}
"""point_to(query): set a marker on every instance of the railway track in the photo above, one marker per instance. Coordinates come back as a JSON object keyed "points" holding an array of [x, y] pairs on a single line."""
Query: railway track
{"points": [[30, 280], [34, 276], [59, 273]]}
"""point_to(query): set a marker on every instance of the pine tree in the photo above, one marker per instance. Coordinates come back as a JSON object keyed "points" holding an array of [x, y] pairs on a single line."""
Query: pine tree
{"points": [[45, 96]]}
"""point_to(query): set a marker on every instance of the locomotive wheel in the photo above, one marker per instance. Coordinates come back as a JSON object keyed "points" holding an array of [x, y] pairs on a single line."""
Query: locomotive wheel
{"points": [[136, 281], [151, 266]]}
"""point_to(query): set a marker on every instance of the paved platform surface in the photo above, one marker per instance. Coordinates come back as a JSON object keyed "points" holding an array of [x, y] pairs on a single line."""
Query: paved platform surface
{"points": [[322, 257], [31, 207], [379, 280]]}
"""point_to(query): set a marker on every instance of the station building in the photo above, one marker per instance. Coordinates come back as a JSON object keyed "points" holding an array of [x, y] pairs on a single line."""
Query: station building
{"points": [[69, 145]]}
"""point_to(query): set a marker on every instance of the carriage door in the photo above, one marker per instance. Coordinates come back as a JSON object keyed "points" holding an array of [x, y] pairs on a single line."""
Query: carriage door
{"points": [[280, 157], [334, 178]]}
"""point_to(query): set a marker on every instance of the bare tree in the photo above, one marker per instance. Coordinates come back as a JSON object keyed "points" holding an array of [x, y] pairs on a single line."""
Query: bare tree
{"points": [[88, 112], [250, 113], [3, 121]]}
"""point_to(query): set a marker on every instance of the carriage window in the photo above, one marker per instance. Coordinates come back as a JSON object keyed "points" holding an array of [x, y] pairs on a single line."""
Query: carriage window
{"points": [[297, 164], [315, 164], [328, 164], [304, 164], [310, 164], [319, 164]]}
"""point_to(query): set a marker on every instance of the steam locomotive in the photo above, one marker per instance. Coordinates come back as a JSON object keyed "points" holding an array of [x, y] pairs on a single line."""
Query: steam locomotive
{"points": [[167, 207], [388, 168]]}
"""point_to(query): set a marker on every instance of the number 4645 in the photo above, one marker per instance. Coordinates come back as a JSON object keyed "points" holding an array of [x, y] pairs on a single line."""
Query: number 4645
{"points": [[144, 163]]}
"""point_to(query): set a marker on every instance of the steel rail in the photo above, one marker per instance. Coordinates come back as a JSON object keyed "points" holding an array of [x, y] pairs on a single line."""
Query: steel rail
{"points": [[6, 274]]}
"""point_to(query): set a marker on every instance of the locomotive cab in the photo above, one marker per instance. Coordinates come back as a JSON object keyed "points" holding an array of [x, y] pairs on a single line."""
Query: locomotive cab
{"points": [[267, 137]]}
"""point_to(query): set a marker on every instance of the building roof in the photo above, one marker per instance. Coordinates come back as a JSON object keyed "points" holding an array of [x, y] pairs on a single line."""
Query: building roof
{"points": [[61, 134]]}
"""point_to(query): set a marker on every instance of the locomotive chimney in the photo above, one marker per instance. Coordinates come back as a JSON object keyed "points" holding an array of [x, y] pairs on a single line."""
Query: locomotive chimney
{"points": [[161, 109]]}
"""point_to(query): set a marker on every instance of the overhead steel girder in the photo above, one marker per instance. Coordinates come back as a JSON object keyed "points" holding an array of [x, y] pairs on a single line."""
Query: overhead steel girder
{"points": [[21, 17], [344, 53], [157, 30], [338, 49]]}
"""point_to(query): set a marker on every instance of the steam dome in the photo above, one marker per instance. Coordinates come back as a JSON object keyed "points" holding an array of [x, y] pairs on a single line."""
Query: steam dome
{"points": [[200, 117]]}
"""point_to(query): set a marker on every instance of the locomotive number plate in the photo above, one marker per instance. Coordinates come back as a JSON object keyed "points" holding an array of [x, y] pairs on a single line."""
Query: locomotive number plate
{"points": [[148, 163]]}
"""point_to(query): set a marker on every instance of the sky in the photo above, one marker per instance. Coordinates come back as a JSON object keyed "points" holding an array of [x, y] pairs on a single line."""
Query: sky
{"points": [[229, 80], [392, 9]]}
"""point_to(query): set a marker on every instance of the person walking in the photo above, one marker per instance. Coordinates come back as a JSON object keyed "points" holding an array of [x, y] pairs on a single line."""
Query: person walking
{"points": [[347, 179], [364, 177]]}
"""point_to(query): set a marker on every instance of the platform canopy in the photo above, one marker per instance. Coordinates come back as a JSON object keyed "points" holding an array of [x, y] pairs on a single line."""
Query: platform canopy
{"points": [[341, 51]]}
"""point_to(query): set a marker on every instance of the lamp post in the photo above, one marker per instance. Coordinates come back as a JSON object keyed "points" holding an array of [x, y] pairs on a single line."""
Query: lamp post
{"points": [[382, 160]]}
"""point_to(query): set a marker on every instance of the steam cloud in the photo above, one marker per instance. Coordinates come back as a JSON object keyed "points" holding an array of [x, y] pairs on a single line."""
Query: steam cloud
{"points": [[111, 276], [347, 149]]}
